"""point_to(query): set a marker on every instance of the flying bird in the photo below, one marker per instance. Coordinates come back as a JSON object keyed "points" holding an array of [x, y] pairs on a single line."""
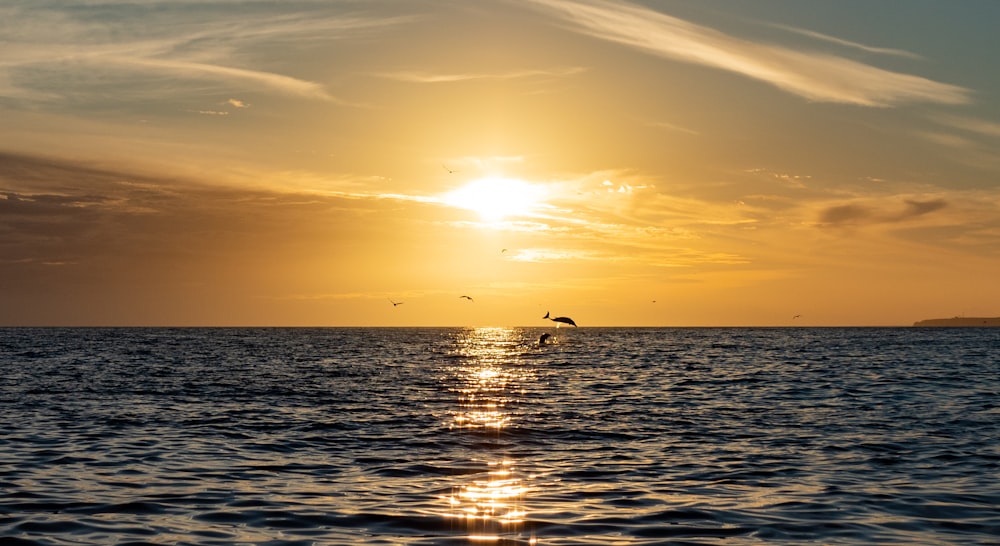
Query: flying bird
{"points": [[395, 303], [449, 170], [796, 316], [564, 320], [467, 297]]}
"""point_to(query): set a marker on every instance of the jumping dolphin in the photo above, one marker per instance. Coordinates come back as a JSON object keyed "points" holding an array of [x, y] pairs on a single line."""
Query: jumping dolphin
{"points": [[564, 320]]}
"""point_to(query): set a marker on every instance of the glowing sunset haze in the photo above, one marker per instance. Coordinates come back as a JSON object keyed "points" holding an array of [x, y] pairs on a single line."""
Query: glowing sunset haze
{"points": [[657, 163]]}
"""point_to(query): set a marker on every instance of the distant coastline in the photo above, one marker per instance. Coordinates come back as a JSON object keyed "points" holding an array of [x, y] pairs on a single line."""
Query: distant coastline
{"points": [[961, 321]]}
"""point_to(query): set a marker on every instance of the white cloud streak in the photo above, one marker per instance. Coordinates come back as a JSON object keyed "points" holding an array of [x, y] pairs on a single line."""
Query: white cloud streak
{"points": [[47, 39], [815, 76], [427, 77], [980, 127], [848, 43], [275, 82], [671, 127]]}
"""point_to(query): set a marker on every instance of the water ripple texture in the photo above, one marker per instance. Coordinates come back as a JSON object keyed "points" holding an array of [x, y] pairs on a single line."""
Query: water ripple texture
{"points": [[446, 436]]}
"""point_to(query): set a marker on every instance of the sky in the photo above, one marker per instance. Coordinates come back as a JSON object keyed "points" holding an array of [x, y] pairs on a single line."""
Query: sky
{"points": [[644, 163]]}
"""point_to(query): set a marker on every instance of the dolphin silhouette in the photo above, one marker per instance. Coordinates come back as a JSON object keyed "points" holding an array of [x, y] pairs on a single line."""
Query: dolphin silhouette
{"points": [[564, 320]]}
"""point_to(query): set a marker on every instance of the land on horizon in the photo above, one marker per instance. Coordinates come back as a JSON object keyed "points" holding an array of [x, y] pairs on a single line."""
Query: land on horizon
{"points": [[960, 321]]}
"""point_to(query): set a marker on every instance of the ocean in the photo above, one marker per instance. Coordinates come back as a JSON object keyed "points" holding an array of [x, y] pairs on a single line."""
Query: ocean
{"points": [[428, 436]]}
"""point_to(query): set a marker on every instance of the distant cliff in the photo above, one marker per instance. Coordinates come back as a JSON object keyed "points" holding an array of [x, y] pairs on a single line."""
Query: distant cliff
{"points": [[960, 321]]}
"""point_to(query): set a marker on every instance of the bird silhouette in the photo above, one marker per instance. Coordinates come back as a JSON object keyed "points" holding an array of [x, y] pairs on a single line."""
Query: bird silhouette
{"points": [[467, 297], [395, 303], [564, 320], [449, 170]]}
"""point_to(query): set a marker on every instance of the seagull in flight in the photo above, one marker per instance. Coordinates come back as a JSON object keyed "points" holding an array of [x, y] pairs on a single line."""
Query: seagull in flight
{"points": [[395, 303], [796, 316], [564, 320], [467, 297], [447, 169]]}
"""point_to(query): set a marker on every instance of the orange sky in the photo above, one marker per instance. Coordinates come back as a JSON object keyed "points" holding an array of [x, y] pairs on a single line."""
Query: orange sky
{"points": [[671, 163]]}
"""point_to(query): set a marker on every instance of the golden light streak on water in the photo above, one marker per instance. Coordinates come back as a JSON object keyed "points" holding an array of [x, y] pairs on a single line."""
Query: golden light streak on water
{"points": [[488, 380], [492, 506]]}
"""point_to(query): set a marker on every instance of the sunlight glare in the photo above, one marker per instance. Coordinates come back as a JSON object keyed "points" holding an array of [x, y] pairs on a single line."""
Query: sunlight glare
{"points": [[497, 198], [487, 376]]}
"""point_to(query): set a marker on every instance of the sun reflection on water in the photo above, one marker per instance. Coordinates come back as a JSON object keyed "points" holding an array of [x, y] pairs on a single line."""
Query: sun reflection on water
{"points": [[488, 379], [499, 497]]}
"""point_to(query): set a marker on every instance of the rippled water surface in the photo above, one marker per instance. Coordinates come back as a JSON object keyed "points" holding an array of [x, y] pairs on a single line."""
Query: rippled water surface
{"points": [[458, 436]]}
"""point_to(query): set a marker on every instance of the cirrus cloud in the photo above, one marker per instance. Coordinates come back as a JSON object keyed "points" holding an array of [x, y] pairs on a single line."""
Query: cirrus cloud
{"points": [[815, 76]]}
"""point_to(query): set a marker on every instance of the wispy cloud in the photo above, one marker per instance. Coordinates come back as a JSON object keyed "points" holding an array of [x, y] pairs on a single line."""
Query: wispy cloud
{"points": [[671, 127], [848, 43], [431, 77], [536, 255], [977, 126], [815, 76], [47, 45], [973, 141], [789, 179], [195, 70]]}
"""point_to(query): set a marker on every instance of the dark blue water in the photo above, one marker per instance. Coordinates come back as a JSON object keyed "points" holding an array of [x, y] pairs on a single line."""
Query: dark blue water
{"points": [[458, 436]]}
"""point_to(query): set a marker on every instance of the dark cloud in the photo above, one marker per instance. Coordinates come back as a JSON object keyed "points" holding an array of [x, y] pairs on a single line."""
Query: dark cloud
{"points": [[56, 211], [920, 208], [51, 208], [74, 236], [854, 214], [844, 215]]}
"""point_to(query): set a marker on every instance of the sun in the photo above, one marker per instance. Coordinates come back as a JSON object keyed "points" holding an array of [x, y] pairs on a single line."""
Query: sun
{"points": [[496, 198]]}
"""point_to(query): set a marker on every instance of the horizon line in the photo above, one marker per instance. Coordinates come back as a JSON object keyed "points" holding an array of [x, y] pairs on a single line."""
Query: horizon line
{"points": [[356, 326]]}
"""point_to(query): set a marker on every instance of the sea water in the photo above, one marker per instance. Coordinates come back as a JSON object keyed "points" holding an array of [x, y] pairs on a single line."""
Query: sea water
{"points": [[483, 436]]}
